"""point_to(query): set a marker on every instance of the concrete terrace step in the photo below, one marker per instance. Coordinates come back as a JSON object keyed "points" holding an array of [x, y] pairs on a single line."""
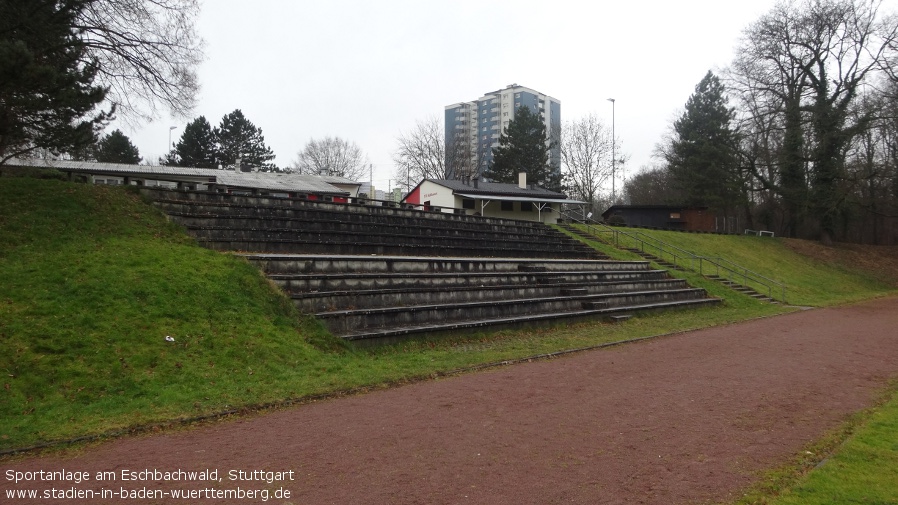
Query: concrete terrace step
{"points": [[399, 332], [351, 264], [358, 294], [426, 229], [296, 283], [379, 237], [344, 322], [379, 249], [200, 212], [199, 202], [328, 301], [277, 225]]}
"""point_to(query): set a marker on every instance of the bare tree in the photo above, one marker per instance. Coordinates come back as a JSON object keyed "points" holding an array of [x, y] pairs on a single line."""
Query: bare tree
{"points": [[461, 162], [652, 185], [331, 156], [586, 151], [148, 52], [800, 70], [420, 154]]}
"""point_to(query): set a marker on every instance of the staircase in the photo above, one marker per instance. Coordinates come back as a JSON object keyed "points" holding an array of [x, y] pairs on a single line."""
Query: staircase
{"points": [[683, 259], [651, 257], [375, 274], [741, 288]]}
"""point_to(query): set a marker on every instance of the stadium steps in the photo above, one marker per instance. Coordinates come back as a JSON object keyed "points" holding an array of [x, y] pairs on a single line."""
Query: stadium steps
{"points": [[375, 274], [381, 299]]}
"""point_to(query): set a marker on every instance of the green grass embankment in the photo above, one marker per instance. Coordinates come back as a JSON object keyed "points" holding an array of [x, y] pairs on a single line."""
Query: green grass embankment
{"points": [[809, 281], [94, 279]]}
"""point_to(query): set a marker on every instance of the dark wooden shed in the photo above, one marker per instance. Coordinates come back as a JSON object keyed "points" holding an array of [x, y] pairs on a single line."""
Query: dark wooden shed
{"points": [[670, 217]]}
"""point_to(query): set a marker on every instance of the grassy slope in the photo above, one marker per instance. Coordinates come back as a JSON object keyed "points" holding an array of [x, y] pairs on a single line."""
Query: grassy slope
{"points": [[813, 275], [94, 279], [809, 281], [93, 282]]}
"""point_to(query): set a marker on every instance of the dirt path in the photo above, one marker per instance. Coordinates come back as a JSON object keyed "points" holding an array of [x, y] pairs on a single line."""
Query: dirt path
{"points": [[683, 419]]}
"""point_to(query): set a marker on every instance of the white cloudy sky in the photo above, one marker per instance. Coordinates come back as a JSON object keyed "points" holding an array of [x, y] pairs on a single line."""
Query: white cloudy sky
{"points": [[367, 70]]}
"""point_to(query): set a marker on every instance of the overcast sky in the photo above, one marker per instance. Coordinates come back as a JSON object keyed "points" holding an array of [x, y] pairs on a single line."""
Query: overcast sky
{"points": [[368, 70]]}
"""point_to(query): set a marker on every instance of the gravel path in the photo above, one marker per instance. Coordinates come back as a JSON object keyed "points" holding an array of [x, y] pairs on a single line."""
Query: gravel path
{"points": [[690, 418]]}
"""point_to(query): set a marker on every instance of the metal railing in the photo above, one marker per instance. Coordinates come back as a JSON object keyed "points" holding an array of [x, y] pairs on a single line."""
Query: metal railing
{"points": [[681, 258]]}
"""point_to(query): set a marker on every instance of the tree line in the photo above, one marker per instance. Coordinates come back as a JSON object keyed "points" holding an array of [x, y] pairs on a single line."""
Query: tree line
{"points": [[237, 138], [809, 146]]}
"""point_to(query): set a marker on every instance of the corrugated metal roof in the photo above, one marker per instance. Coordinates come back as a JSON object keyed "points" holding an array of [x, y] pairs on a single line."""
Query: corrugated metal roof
{"points": [[91, 166], [272, 181], [275, 182]]}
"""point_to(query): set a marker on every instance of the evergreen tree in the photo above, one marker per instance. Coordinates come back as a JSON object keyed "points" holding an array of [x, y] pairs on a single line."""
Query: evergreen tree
{"points": [[197, 147], [117, 148], [46, 81], [523, 147], [702, 156], [237, 138]]}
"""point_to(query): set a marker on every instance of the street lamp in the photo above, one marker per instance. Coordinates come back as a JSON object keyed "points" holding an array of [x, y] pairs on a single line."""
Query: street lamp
{"points": [[170, 128], [613, 154]]}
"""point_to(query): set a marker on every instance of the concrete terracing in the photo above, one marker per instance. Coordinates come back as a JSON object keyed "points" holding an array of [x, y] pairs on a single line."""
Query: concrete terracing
{"points": [[382, 273]]}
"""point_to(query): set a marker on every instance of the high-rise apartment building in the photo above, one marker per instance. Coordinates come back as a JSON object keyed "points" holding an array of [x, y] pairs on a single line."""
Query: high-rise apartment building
{"points": [[473, 128]]}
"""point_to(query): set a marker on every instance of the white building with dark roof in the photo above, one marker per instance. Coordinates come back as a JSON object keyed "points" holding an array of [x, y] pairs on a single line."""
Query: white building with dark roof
{"points": [[490, 199]]}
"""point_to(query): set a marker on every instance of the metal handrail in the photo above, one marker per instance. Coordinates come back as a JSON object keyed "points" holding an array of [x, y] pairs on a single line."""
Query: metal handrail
{"points": [[744, 273], [677, 260], [641, 239]]}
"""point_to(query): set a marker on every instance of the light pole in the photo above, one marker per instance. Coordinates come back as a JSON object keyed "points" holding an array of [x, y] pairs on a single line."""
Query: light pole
{"points": [[613, 154], [168, 149]]}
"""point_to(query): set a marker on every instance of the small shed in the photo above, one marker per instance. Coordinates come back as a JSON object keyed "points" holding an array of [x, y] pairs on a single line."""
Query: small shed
{"points": [[669, 217]]}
